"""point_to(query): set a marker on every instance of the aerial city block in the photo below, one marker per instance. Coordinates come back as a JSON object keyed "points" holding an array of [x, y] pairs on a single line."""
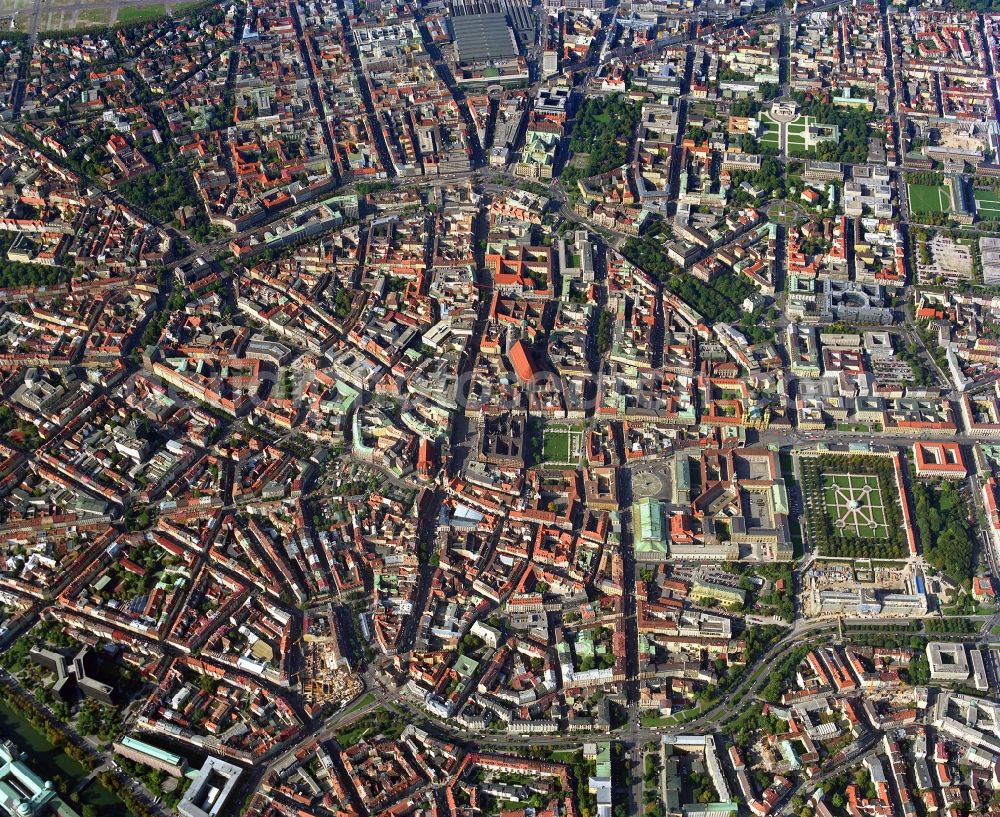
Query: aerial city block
{"points": [[499, 408]]}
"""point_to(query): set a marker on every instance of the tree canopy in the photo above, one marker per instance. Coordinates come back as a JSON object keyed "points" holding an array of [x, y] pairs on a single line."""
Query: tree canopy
{"points": [[943, 528]]}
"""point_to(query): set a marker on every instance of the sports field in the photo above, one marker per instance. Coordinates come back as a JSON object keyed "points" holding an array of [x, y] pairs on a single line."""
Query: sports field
{"points": [[926, 198], [855, 505], [987, 204]]}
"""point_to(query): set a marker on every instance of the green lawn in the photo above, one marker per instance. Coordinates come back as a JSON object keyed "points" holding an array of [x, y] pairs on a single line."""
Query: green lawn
{"points": [[556, 446], [360, 703], [925, 198], [131, 15], [93, 17], [182, 9], [380, 721], [772, 132], [854, 502], [770, 126], [562, 444], [987, 204]]}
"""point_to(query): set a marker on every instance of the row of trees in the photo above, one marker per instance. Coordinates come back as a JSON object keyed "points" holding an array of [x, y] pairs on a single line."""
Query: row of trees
{"points": [[929, 178], [605, 325], [976, 5], [954, 626]]}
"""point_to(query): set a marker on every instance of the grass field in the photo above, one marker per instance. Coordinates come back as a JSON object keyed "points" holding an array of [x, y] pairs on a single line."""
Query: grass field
{"points": [[795, 133], [187, 8], [130, 15], [772, 133], [561, 444], [17, 9], [365, 700], [62, 15], [925, 198], [855, 504], [987, 204], [93, 17]]}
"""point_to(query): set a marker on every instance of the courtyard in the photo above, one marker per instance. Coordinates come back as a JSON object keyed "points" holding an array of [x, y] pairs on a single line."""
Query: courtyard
{"points": [[562, 444]]}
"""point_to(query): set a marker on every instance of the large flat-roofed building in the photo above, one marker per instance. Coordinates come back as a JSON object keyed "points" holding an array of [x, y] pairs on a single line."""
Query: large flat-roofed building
{"points": [[78, 670], [210, 790], [980, 680], [904, 605], [483, 38], [702, 590], [948, 662], [817, 171], [864, 601], [860, 601], [149, 755]]}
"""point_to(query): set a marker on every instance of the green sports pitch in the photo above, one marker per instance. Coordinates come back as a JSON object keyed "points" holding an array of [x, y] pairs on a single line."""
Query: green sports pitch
{"points": [[928, 198]]}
